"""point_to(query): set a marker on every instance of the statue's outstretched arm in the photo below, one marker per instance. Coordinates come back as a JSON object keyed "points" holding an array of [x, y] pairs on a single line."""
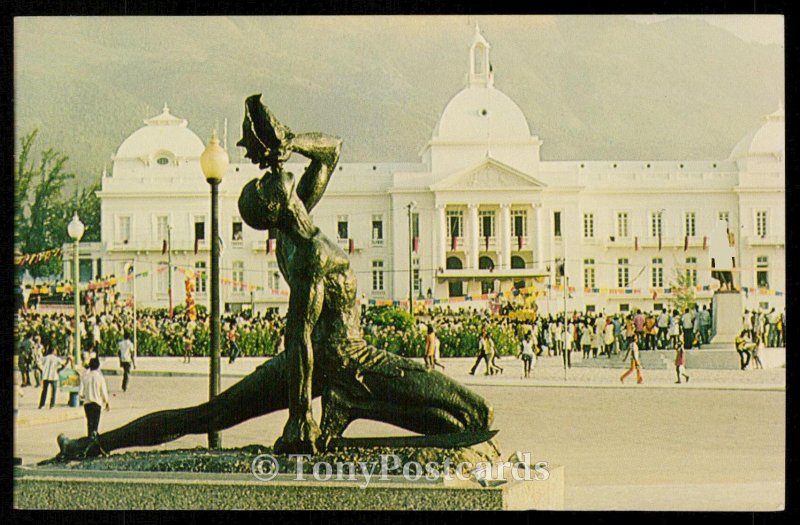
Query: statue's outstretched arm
{"points": [[323, 150]]}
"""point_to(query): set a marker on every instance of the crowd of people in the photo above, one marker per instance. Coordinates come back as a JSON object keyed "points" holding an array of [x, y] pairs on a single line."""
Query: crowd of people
{"points": [[433, 333]]}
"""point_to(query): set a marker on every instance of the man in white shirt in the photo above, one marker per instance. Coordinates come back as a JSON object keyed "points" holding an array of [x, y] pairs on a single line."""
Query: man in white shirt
{"points": [[94, 392], [51, 366], [126, 359]]}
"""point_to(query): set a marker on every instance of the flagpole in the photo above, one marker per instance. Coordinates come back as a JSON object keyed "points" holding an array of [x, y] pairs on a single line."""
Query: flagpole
{"points": [[169, 264]]}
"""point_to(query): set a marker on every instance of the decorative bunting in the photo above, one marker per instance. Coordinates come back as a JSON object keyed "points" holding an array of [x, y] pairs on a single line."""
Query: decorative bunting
{"points": [[36, 258]]}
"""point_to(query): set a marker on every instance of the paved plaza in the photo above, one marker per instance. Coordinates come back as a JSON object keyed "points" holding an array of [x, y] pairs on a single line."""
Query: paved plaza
{"points": [[716, 443]]}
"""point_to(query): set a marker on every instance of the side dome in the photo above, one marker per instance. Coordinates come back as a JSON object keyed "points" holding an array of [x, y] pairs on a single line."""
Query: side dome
{"points": [[164, 137], [767, 139], [479, 113]]}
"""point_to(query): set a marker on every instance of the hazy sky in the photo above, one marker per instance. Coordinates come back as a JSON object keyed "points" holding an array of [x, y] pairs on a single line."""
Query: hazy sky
{"points": [[766, 29]]}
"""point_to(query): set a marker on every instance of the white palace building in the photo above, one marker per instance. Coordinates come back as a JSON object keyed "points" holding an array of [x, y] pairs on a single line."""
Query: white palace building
{"points": [[489, 216]]}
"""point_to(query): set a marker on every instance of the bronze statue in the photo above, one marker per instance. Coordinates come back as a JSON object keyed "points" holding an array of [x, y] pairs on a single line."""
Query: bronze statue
{"points": [[325, 351]]}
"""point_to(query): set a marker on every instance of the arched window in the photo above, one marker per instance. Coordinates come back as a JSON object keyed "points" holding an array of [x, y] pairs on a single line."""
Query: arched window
{"points": [[455, 288], [485, 263], [517, 262]]}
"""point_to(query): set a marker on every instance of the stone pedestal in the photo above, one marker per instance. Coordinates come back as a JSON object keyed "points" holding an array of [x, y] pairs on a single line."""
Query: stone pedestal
{"points": [[49, 488], [726, 321]]}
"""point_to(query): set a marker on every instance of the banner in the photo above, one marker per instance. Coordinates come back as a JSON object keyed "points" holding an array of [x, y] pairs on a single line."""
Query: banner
{"points": [[36, 258]]}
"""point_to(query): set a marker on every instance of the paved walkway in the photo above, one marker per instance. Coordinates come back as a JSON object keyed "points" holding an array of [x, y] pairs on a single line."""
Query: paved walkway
{"points": [[549, 372]]}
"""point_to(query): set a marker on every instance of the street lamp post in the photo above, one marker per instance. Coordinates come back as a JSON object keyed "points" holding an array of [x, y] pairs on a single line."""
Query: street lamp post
{"points": [[410, 207], [214, 162], [75, 230]]}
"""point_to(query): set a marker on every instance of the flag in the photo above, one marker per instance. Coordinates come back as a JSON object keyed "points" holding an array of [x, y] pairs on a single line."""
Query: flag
{"points": [[164, 247], [655, 294], [705, 242], [416, 244], [352, 246], [270, 246], [636, 243], [659, 241], [519, 242], [486, 242], [196, 245], [731, 240], [685, 242], [453, 243]]}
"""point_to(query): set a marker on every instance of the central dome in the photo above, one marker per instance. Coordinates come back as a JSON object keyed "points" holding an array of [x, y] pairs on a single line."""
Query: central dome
{"points": [[164, 134], [480, 113]]}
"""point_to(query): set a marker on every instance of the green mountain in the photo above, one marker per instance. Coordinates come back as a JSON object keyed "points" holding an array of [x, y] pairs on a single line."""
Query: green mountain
{"points": [[592, 88]]}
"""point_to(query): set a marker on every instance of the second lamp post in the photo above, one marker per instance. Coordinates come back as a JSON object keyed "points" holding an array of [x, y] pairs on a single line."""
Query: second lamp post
{"points": [[214, 162]]}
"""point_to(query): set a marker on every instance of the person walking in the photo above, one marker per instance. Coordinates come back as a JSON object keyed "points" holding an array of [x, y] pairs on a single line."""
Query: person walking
{"points": [[94, 392], [663, 329], [37, 360], [687, 323], [743, 348], [527, 355], [481, 353], [233, 348], [635, 363], [491, 357], [608, 337], [586, 340], [25, 360], [126, 359], [680, 364], [430, 349], [436, 354], [756, 359], [51, 366], [705, 324]]}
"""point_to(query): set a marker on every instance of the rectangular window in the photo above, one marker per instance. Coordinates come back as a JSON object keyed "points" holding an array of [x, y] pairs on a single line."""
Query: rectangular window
{"points": [[237, 274], [689, 220], [724, 216], [377, 276], [519, 223], [162, 228], [657, 273], [557, 224], [486, 223], [691, 271], [342, 228], [656, 226], [761, 223], [273, 276], [237, 232], [624, 307], [622, 224], [762, 271], [454, 222], [588, 273], [623, 273], [415, 225], [590, 308], [588, 225], [658, 307], [200, 279], [377, 230], [124, 229], [416, 279], [199, 228]]}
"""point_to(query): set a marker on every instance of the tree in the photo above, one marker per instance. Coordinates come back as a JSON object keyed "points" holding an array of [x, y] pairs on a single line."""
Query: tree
{"points": [[88, 207], [41, 215], [682, 291]]}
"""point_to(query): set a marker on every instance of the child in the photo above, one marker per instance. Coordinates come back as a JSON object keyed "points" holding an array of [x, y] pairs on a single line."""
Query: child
{"points": [[528, 357], [680, 362]]}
